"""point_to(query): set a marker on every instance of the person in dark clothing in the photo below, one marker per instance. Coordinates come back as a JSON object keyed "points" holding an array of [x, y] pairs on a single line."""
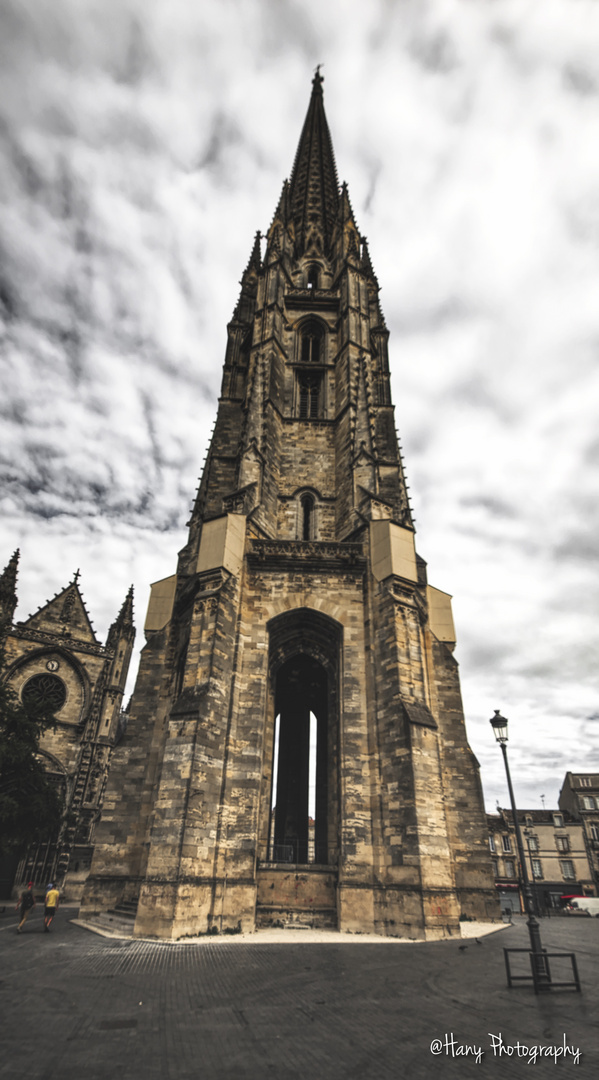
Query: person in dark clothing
{"points": [[26, 903]]}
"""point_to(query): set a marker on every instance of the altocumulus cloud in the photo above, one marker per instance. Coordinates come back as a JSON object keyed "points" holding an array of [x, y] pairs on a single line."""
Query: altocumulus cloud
{"points": [[144, 143]]}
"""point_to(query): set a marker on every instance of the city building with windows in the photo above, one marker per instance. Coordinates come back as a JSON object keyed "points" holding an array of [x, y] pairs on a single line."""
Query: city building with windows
{"points": [[580, 797], [505, 862], [556, 858]]}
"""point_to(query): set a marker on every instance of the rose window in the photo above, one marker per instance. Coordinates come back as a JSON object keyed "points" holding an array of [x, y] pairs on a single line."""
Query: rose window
{"points": [[44, 693]]}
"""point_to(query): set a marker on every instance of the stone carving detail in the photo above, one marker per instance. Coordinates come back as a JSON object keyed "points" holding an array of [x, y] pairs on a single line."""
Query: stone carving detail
{"points": [[242, 501], [97, 773], [309, 293], [374, 509], [211, 581], [312, 548], [60, 639], [44, 691], [409, 597], [379, 511], [323, 299], [207, 606], [67, 607], [273, 554]]}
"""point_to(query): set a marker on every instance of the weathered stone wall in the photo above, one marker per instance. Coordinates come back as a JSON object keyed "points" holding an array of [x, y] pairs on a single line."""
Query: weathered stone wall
{"points": [[463, 797], [187, 810], [120, 855]]}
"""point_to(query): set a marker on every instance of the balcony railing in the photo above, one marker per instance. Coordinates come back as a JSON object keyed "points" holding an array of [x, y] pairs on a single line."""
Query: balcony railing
{"points": [[302, 853]]}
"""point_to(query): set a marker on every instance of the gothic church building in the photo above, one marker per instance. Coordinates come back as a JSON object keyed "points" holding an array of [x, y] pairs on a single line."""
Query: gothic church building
{"points": [[296, 752], [53, 658]]}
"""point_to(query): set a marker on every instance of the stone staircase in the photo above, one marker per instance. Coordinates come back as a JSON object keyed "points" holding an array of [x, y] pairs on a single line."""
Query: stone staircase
{"points": [[119, 920]]}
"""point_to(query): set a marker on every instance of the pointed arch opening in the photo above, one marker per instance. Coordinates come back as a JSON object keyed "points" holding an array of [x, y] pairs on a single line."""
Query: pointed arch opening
{"points": [[310, 396], [312, 342], [313, 276], [307, 523], [303, 789]]}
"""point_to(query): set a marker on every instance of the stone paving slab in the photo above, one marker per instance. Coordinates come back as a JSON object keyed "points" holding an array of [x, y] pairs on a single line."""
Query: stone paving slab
{"points": [[77, 1006]]}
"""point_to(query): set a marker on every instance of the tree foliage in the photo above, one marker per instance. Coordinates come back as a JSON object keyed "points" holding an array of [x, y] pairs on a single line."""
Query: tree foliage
{"points": [[31, 806]]}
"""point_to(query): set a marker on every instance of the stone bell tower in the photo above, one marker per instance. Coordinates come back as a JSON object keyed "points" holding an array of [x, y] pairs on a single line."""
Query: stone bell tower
{"points": [[296, 751]]}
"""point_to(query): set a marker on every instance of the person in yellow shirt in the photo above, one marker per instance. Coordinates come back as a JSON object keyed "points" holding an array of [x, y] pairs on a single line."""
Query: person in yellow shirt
{"points": [[51, 906]]}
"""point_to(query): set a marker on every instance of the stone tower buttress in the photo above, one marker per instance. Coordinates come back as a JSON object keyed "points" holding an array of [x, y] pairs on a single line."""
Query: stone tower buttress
{"points": [[296, 750]]}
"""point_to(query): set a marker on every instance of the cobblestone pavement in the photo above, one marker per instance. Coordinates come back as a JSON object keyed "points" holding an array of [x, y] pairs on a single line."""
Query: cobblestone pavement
{"points": [[76, 1006]]}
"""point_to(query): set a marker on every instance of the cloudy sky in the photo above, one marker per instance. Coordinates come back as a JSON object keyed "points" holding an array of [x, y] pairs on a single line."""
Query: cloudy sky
{"points": [[144, 142]]}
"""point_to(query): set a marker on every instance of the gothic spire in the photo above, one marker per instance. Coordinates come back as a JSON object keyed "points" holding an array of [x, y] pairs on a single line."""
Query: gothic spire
{"points": [[248, 283], [367, 268], [314, 188], [8, 591], [125, 615], [123, 622], [366, 263], [282, 211], [8, 578], [255, 259]]}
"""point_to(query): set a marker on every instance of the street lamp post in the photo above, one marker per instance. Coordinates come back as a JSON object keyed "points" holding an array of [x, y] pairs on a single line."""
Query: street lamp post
{"points": [[536, 905], [499, 725]]}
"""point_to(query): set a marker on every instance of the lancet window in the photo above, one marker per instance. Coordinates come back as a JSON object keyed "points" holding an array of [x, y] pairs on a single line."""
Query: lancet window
{"points": [[309, 396], [311, 343], [313, 276], [307, 522]]}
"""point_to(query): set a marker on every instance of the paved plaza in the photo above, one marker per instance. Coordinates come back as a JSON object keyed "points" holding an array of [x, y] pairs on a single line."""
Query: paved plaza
{"points": [[77, 1006]]}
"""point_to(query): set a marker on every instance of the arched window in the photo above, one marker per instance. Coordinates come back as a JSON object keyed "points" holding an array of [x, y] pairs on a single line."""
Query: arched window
{"points": [[313, 276], [311, 351], [44, 694], [309, 396], [303, 801], [307, 517]]}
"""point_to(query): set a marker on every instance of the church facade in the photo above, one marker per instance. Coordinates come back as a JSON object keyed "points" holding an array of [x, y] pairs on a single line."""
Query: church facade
{"points": [[296, 751], [55, 658]]}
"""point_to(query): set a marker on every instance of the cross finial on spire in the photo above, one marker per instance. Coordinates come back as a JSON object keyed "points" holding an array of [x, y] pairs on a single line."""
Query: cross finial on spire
{"points": [[313, 185]]}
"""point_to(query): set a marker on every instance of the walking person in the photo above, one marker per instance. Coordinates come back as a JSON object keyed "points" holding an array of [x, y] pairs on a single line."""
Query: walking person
{"points": [[26, 903], [51, 906]]}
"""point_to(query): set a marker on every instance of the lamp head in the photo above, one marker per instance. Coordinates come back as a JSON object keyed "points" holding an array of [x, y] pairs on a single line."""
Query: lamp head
{"points": [[499, 725]]}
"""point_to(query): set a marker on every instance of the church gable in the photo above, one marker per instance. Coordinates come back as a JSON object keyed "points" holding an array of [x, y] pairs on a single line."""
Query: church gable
{"points": [[64, 615]]}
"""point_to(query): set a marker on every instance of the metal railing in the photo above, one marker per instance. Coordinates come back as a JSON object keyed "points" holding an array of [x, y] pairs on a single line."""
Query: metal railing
{"points": [[302, 852], [541, 976]]}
